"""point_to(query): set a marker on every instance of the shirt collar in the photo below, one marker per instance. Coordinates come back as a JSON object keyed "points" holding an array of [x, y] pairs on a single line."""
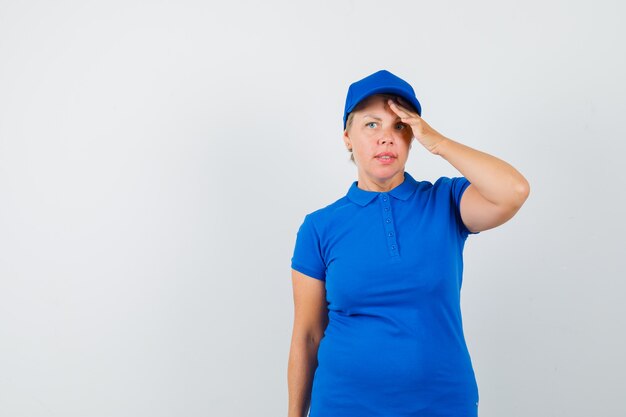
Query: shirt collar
{"points": [[401, 191]]}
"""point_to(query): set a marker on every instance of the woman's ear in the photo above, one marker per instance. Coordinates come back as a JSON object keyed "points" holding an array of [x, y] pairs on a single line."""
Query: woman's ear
{"points": [[346, 139]]}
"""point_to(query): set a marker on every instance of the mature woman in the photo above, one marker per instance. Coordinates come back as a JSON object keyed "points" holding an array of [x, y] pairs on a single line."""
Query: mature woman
{"points": [[377, 274]]}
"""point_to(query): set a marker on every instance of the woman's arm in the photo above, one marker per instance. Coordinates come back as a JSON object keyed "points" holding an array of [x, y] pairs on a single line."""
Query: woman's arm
{"points": [[497, 190], [310, 320]]}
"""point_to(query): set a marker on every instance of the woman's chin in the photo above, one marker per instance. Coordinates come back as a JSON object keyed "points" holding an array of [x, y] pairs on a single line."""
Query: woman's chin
{"points": [[388, 167]]}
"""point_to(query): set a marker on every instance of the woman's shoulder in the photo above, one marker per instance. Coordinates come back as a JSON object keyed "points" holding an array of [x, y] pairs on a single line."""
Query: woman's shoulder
{"points": [[329, 210], [442, 182]]}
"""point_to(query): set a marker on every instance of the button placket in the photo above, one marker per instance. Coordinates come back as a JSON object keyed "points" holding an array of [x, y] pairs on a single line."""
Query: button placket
{"points": [[390, 233]]}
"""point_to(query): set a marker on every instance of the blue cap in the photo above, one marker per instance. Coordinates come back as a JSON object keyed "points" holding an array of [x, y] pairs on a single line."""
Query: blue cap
{"points": [[379, 82]]}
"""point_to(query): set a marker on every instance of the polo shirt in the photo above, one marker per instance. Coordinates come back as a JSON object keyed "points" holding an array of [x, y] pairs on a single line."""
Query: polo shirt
{"points": [[392, 265]]}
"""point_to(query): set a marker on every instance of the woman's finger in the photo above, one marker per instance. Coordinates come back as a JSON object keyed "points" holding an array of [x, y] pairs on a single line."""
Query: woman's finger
{"points": [[402, 102], [396, 108], [404, 108], [401, 108]]}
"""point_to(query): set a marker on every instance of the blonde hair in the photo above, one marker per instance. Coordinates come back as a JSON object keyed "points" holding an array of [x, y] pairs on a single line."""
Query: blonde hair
{"points": [[359, 106]]}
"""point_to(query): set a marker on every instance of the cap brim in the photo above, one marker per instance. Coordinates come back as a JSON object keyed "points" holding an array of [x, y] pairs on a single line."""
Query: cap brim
{"points": [[381, 90]]}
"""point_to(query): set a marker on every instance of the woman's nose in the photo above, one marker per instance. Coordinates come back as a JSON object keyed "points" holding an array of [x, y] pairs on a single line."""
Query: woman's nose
{"points": [[386, 137]]}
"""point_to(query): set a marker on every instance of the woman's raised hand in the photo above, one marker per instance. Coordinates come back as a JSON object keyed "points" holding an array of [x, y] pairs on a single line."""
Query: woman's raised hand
{"points": [[422, 131]]}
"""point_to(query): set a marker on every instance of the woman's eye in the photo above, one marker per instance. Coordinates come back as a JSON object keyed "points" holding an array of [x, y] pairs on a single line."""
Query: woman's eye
{"points": [[399, 126]]}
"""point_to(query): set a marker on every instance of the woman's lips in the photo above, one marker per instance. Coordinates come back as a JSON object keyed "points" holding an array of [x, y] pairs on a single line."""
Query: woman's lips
{"points": [[385, 160]]}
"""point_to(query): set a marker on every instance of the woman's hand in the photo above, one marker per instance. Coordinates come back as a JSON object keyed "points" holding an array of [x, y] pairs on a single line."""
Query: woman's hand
{"points": [[422, 131]]}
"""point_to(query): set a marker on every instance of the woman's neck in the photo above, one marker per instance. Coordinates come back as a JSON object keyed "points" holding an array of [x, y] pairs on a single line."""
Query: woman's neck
{"points": [[380, 184]]}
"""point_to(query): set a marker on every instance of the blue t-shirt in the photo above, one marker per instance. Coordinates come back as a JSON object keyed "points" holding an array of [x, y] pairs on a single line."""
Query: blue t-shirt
{"points": [[392, 263]]}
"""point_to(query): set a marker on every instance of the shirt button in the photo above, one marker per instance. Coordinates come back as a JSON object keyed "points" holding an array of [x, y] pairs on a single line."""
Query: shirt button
{"points": [[384, 198], [393, 247], [386, 208], [390, 234], [388, 220]]}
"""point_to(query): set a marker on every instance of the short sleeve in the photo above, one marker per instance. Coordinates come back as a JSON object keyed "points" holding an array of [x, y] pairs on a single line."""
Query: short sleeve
{"points": [[307, 254], [459, 185]]}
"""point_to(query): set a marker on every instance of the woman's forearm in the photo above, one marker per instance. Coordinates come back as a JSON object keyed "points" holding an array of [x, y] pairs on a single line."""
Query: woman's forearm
{"points": [[494, 179], [301, 368]]}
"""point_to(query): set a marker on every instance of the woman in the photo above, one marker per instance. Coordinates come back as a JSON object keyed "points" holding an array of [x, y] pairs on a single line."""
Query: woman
{"points": [[377, 274]]}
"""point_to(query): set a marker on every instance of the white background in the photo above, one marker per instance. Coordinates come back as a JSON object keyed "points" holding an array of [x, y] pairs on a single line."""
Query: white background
{"points": [[157, 158]]}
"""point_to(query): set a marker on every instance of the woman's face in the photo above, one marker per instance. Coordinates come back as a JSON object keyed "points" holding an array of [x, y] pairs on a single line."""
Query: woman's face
{"points": [[377, 130]]}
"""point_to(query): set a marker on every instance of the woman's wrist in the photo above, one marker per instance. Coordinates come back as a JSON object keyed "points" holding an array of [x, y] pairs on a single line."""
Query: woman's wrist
{"points": [[441, 146]]}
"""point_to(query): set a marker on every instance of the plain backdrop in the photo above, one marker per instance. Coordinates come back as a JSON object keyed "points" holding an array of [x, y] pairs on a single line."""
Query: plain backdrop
{"points": [[158, 157]]}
